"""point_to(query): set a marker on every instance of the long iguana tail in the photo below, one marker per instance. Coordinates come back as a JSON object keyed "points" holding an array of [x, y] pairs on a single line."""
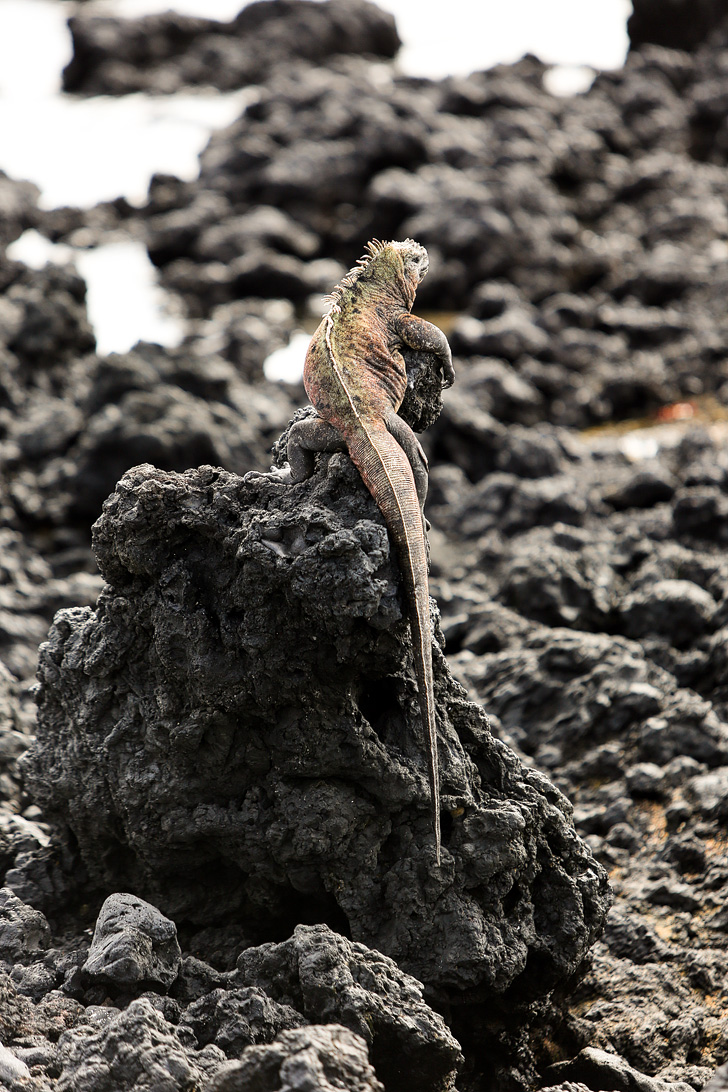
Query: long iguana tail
{"points": [[387, 474]]}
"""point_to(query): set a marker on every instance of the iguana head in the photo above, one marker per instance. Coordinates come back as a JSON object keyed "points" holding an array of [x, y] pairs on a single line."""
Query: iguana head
{"points": [[396, 262], [414, 258], [396, 268]]}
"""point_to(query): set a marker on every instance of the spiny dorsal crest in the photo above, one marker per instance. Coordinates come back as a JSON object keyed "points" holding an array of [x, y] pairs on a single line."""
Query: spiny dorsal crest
{"points": [[374, 248]]}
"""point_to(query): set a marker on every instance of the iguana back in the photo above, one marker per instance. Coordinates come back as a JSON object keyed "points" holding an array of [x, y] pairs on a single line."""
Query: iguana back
{"points": [[356, 379]]}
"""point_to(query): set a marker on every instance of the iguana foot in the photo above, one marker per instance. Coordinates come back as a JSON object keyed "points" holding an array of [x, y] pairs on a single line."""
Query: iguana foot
{"points": [[448, 372], [275, 474]]}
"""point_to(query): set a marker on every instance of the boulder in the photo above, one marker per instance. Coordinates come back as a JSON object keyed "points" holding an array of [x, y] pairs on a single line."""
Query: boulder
{"points": [[237, 722], [133, 944]]}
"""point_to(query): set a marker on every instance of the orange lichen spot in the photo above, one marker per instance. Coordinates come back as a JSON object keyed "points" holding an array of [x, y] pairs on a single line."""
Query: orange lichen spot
{"points": [[653, 822], [677, 411]]}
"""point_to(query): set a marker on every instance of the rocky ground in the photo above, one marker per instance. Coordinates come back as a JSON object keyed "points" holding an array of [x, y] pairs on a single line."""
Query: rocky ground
{"points": [[216, 853]]}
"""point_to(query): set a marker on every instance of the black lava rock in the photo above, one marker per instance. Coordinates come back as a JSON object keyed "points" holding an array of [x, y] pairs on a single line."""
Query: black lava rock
{"points": [[273, 785], [325, 1058], [164, 53], [332, 980]]}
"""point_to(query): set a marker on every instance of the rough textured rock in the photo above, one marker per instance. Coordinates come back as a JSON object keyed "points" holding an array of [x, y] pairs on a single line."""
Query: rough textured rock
{"points": [[326, 1058], [133, 944], [245, 332], [16, 720], [18, 208], [645, 768], [597, 1068], [234, 1019], [23, 930], [71, 423], [136, 1049], [171, 406], [164, 53], [333, 980], [271, 786]]}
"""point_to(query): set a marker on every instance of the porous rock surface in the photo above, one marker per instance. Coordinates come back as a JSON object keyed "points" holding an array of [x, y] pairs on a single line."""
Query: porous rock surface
{"points": [[164, 53], [72, 422], [275, 784], [63, 1026], [613, 613], [133, 943], [325, 1058], [330, 979], [137, 1048]]}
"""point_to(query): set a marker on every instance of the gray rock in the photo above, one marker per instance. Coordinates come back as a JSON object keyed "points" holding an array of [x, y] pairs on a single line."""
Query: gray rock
{"points": [[23, 1023], [587, 689], [164, 53], [23, 930], [567, 1086], [263, 226], [136, 1050], [684, 26], [18, 203], [708, 793], [245, 332], [173, 407], [560, 576], [329, 1059], [629, 938], [646, 779], [677, 609], [196, 979], [719, 1081], [11, 1067], [234, 1019], [600, 1069], [46, 327], [36, 980], [643, 489], [333, 980], [133, 945], [213, 582], [597, 225], [37, 1051]]}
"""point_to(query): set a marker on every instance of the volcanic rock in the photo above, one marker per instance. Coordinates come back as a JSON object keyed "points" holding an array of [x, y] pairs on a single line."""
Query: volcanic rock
{"points": [[326, 1058], [135, 1049], [333, 980], [679, 24], [165, 52], [212, 580], [133, 943]]}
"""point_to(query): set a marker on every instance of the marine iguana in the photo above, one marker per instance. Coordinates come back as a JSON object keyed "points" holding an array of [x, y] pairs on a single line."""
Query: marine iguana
{"points": [[356, 379]]}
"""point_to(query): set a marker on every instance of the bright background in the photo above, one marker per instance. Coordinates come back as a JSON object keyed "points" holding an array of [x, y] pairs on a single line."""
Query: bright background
{"points": [[81, 151]]}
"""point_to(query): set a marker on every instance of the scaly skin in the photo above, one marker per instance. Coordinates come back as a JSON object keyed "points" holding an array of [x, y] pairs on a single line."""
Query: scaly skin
{"points": [[356, 379]]}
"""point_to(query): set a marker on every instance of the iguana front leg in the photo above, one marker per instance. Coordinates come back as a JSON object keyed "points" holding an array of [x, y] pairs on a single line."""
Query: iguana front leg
{"points": [[426, 338]]}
